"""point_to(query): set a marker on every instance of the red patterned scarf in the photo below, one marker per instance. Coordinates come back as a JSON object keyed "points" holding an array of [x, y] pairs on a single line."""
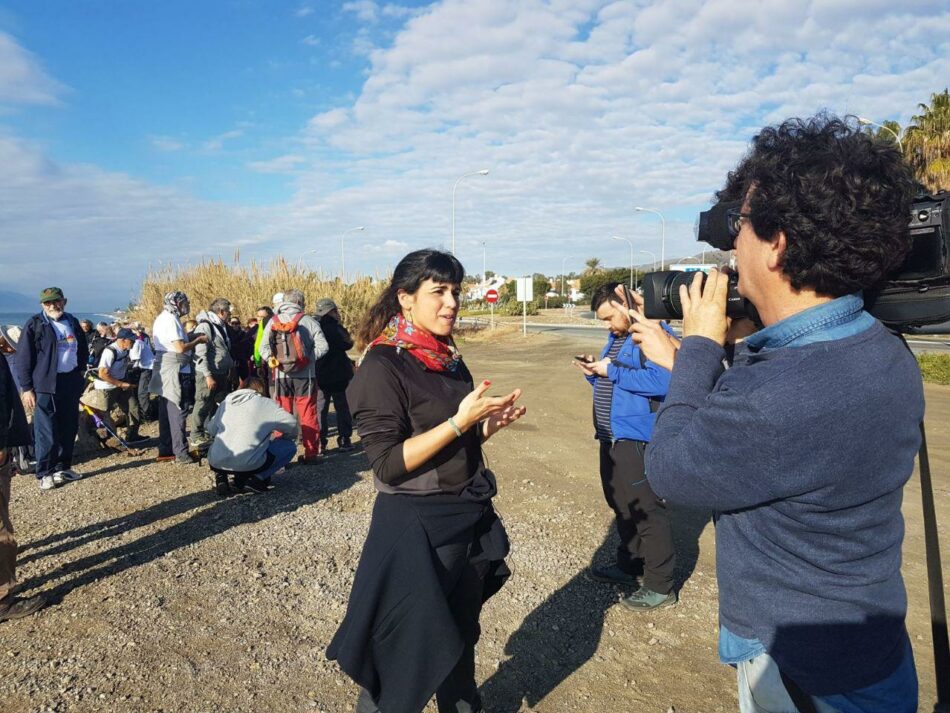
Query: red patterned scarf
{"points": [[438, 354]]}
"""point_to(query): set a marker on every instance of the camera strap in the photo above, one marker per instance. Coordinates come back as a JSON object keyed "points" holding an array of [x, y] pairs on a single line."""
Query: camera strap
{"points": [[938, 611]]}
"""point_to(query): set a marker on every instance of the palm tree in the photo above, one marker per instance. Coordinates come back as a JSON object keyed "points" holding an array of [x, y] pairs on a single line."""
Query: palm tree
{"points": [[593, 266], [927, 145]]}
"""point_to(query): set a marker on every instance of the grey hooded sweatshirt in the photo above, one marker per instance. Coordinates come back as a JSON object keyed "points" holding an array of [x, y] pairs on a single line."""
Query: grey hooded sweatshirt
{"points": [[311, 335], [212, 358], [242, 428]]}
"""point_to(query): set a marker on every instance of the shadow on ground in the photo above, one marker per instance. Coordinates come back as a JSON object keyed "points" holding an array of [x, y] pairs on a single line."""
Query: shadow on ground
{"points": [[564, 632], [299, 487]]}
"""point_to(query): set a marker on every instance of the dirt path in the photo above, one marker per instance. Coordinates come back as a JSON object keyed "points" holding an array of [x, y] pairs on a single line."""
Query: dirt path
{"points": [[173, 600]]}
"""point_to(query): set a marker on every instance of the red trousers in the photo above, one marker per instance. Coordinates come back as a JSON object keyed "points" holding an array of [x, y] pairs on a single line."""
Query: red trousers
{"points": [[300, 395]]}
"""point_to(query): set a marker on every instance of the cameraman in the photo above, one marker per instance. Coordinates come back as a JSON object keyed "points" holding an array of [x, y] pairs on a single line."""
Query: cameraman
{"points": [[803, 447]]}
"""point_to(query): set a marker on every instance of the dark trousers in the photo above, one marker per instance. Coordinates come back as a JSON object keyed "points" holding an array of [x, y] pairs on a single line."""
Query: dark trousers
{"points": [[7, 540], [642, 520], [145, 401], [55, 422], [128, 401], [207, 402], [344, 421], [171, 430], [463, 587]]}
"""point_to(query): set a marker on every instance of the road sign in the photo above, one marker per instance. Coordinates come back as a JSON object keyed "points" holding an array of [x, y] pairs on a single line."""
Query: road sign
{"points": [[491, 297], [525, 289]]}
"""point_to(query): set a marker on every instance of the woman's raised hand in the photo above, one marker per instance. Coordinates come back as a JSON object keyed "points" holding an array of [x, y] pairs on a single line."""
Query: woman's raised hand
{"points": [[477, 406]]}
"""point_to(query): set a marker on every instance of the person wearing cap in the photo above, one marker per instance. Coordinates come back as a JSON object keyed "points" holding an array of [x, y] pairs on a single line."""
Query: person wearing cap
{"points": [[14, 433], [50, 361], [116, 386], [214, 365], [334, 372], [142, 358]]}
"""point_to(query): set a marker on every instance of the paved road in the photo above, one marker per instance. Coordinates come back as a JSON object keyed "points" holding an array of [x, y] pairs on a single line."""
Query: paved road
{"points": [[919, 344]]}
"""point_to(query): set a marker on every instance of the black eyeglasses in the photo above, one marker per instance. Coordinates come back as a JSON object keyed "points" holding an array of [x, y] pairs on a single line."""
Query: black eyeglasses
{"points": [[734, 218]]}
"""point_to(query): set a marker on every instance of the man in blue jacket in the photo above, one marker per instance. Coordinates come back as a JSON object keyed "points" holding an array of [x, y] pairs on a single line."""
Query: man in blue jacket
{"points": [[804, 445], [626, 391], [51, 357]]}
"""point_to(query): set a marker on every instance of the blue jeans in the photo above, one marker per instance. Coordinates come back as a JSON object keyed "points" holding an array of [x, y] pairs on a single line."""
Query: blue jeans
{"points": [[283, 451], [55, 422], [761, 691]]}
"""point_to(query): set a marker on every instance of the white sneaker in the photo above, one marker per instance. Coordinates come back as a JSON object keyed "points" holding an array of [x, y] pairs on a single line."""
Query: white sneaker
{"points": [[68, 475], [47, 482]]}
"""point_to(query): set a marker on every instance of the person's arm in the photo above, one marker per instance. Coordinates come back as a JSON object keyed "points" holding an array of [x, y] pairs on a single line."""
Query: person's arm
{"points": [[265, 340], [346, 341], [650, 380], [280, 420], [104, 363], [23, 361], [379, 409], [320, 345], [202, 363]]}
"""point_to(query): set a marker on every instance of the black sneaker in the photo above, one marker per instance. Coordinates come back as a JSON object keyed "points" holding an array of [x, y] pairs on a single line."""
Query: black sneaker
{"points": [[611, 574], [221, 485], [345, 444], [136, 437], [258, 485]]}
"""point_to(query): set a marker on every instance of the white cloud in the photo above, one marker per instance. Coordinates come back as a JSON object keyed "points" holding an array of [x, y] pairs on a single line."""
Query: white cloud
{"points": [[22, 78], [281, 164], [166, 143], [311, 40], [330, 119], [304, 11], [217, 143], [365, 10]]}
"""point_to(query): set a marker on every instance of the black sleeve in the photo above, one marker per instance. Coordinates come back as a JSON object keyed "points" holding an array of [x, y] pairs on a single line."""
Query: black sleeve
{"points": [[25, 356], [82, 347], [379, 403]]}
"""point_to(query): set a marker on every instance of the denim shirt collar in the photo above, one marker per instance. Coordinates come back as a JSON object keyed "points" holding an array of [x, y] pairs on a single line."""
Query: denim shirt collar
{"points": [[840, 318]]}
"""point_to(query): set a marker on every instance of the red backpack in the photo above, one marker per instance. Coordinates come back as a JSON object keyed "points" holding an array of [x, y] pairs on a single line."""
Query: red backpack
{"points": [[286, 346]]}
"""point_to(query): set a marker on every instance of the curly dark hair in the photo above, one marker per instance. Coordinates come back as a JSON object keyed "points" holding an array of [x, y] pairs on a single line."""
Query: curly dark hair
{"points": [[841, 197]]}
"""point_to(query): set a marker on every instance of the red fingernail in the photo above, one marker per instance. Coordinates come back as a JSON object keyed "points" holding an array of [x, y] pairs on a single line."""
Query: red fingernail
{"points": [[487, 382]]}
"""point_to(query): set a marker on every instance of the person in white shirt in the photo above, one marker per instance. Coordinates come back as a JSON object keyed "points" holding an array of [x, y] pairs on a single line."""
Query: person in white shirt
{"points": [[142, 358], [115, 386], [172, 359]]}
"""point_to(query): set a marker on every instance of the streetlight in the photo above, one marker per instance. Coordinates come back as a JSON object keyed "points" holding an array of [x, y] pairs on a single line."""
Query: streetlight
{"points": [[653, 255], [343, 252], [484, 264], [630, 243], [563, 260], [868, 122], [662, 234], [483, 172]]}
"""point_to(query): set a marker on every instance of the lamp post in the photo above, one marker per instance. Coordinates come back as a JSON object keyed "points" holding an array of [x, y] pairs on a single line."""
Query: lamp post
{"points": [[653, 255], [343, 252], [563, 260], [662, 233], [630, 243], [868, 122], [484, 264], [483, 172]]}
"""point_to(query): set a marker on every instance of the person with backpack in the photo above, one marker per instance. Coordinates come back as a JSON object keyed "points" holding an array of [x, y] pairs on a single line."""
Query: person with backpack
{"points": [[116, 386], [334, 372], [142, 357], [213, 364], [291, 346]]}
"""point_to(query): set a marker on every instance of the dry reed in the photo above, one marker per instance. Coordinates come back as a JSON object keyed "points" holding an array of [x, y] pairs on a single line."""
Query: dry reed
{"points": [[252, 286]]}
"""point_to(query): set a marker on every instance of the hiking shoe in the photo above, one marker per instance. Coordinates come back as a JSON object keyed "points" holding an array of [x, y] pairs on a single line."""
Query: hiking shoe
{"points": [[258, 485], [221, 485], [68, 475], [200, 440], [47, 482], [646, 599], [185, 460], [611, 574], [136, 437], [345, 444], [11, 608]]}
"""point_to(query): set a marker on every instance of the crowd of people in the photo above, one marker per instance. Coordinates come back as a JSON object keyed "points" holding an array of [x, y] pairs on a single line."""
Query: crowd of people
{"points": [[799, 432]]}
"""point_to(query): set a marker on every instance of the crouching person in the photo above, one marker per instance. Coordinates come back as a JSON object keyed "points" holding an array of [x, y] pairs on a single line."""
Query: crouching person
{"points": [[245, 446], [116, 387]]}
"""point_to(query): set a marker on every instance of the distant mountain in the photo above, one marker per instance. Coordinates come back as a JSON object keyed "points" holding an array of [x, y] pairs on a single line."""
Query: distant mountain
{"points": [[15, 302]]}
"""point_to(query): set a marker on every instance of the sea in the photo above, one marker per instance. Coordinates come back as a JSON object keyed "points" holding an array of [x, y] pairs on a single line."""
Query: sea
{"points": [[19, 318]]}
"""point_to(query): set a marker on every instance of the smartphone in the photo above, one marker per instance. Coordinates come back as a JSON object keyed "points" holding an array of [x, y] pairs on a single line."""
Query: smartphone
{"points": [[583, 359]]}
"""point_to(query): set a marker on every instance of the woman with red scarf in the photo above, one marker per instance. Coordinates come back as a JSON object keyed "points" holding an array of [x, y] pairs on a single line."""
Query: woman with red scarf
{"points": [[435, 549]]}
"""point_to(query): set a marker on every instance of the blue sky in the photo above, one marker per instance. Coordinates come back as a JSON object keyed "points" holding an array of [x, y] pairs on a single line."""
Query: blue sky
{"points": [[137, 133]]}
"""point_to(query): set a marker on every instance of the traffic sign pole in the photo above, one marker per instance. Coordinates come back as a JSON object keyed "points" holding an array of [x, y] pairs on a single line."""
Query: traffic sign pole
{"points": [[491, 297]]}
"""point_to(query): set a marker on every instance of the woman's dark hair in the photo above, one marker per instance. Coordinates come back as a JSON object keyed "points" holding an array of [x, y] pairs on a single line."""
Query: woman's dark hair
{"points": [[841, 197], [414, 269]]}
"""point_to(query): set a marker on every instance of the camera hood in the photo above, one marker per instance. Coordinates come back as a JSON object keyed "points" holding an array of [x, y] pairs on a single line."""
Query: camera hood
{"points": [[713, 225]]}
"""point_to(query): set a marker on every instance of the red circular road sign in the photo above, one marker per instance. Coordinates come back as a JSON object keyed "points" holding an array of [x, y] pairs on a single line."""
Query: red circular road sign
{"points": [[491, 297]]}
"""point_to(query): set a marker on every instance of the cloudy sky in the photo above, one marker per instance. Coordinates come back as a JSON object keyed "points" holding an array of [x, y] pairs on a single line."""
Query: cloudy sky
{"points": [[136, 134]]}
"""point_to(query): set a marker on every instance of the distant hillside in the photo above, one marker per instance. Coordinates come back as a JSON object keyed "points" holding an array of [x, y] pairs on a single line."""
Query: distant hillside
{"points": [[15, 302]]}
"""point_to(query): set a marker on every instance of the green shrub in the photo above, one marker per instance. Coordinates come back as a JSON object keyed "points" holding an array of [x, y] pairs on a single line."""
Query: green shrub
{"points": [[513, 308], [935, 368]]}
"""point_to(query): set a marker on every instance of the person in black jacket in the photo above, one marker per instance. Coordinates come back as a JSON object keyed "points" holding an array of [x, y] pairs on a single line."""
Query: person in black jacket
{"points": [[51, 359], [334, 373], [14, 432], [435, 549]]}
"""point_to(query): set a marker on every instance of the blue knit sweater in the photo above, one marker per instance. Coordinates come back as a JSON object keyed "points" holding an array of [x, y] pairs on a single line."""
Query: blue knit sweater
{"points": [[804, 453]]}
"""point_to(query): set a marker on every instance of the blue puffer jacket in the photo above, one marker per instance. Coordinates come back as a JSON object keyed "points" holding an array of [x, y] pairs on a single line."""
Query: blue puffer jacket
{"points": [[634, 385]]}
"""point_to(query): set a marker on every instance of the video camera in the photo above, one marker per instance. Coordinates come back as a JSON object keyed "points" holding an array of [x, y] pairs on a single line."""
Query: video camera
{"points": [[916, 296]]}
